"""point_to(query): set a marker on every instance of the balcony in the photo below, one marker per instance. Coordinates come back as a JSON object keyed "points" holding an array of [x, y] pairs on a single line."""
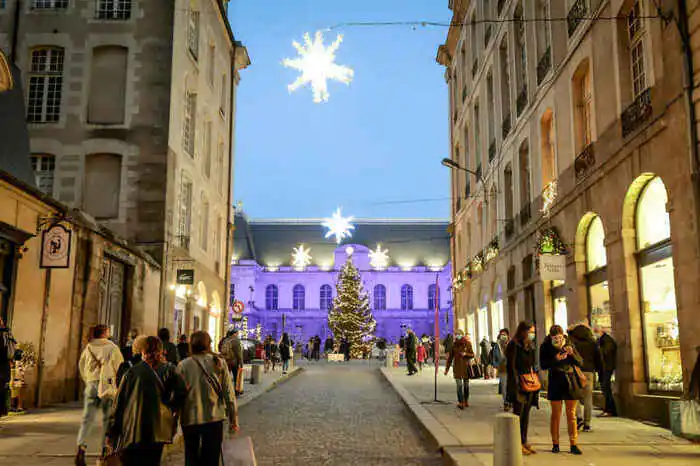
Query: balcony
{"points": [[521, 103], [525, 214], [492, 150], [584, 163], [505, 126], [501, 4], [487, 35], [510, 228], [637, 113], [544, 65], [475, 67], [182, 241], [577, 13]]}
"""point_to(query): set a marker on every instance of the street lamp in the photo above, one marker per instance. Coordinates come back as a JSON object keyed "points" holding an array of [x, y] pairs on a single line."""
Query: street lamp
{"points": [[449, 163]]}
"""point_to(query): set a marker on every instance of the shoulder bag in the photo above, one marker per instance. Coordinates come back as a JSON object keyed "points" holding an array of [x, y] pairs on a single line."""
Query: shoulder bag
{"points": [[213, 382], [530, 382]]}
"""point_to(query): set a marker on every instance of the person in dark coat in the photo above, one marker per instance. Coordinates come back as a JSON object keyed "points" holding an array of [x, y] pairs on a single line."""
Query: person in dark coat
{"points": [[183, 348], [459, 358], [559, 358], [143, 418], [484, 356], [498, 360], [285, 349], [328, 346], [608, 353], [317, 348], [346, 349], [447, 343], [411, 343], [169, 348], [582, 338], [520, 359], [7, 344]]}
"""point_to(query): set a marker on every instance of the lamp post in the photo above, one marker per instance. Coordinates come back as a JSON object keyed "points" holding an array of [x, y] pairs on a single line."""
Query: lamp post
{"points": [[449, 163]]}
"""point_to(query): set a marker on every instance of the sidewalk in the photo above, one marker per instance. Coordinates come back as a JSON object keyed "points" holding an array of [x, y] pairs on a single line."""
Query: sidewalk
{"points": [[47, 437], [466, 437]]}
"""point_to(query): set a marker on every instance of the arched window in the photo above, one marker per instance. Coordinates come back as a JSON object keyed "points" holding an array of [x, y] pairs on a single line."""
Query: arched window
{"points": [[547, 161], [299, 298], [380, 298], [433, 295], [525, 182], [583, 102], [271, 297], [326, 297], [597, 274], [406, 297]]}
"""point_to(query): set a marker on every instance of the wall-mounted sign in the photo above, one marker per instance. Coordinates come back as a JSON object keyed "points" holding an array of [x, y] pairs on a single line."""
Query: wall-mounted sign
{"points": [[185, 277], [55, 247], [553, 267]]}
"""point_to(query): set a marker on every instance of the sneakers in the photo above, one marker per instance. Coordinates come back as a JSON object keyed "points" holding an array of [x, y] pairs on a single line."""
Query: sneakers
{"points": [[80, 457], [579, 423], [587, 429], [575, 450], [555, 448]]}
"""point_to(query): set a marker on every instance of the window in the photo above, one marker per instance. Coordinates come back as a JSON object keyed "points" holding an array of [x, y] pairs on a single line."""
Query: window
{"points": [[597, 275], [543, 27], [525, 187], [232, 294], [222, 95], [207, 150], [44, 166], [637, 35], [45, 85], [190, 123], [107, 99], [547, 161], [185, 218], [508, 182], [193, 33], [271, 298], [407, 297], [220, 168], [433, 297], [204, 224], [380, 298], [521, 48], [491, 116], [49, 4], [211, 65], [505, 86], [3, 4], [103, 174], [477, 138], [582, 106], [113, 9], [326, 298], [299, 298]]}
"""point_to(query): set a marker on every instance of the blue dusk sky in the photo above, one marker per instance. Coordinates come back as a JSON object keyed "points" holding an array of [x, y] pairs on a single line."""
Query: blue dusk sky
{"points": [[375, 147]]}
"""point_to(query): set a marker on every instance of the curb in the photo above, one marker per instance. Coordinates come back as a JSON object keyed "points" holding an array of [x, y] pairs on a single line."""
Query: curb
{"points": [[296, 370]]}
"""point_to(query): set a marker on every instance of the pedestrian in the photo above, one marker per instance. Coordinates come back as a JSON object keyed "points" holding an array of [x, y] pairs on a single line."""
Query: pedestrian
{"points": [[8, 347], [268, 352], [484, 349], [143, 419], [183, 347], [232, 351], [169, 348], [608, 354], [562, 361], [317, 348], [210, 401], [137, 346], [285, 349], [582, 338], [127, 350], [460, 358], [346, 349], [421, 356], [98, 366], [498, 360], [447, 343], [523, 383], [411, 343]]}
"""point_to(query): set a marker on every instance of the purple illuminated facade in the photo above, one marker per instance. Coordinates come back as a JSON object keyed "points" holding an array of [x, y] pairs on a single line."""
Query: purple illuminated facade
{"points": [[281, 298]]}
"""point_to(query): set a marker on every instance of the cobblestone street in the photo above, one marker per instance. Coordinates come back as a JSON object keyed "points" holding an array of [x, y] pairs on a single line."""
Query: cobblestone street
{"points": [[343, 414]]}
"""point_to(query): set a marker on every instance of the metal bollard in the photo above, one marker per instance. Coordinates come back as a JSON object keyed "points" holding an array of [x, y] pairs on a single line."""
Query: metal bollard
{"points": [[506, 441], [255, 374]]}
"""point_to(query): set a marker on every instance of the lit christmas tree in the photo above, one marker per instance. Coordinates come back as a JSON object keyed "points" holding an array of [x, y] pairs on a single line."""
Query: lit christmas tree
{"points": [[350, 317]]}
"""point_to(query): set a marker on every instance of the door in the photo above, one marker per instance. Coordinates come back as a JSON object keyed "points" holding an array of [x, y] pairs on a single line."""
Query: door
{"points": [[112, 296]]}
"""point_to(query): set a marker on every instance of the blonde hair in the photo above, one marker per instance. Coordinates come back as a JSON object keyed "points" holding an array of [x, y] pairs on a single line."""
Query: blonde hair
{"points": [[139, 344]]}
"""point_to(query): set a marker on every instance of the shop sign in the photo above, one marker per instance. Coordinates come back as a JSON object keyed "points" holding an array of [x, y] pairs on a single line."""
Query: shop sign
{"points": [[553, 267], [55, 247], [185, 277]]}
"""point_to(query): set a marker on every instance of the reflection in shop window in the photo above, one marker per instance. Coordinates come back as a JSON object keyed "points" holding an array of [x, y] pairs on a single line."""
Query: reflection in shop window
{"points": [[560, 314], [600, 305]]}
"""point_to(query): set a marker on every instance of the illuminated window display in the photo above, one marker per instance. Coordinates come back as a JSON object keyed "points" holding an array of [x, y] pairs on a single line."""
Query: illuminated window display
{"points": [[596, 278], [497, 317]]}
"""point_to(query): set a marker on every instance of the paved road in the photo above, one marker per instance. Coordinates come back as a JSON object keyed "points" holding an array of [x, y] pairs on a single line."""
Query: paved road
{"points": [[335, 415]]}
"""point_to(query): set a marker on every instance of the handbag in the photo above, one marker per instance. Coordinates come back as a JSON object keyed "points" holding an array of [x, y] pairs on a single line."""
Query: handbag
{"points": [[580, 377], [530, 382]]}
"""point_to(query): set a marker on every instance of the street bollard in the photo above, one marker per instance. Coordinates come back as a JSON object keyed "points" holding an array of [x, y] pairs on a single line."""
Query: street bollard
{"points": [[506, 441], [256, 374]]}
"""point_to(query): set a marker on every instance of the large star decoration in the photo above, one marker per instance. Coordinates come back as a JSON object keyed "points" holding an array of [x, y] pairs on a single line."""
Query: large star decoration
{"points": [[301, 257], [338, 226], [317, 65], [379, 258]]}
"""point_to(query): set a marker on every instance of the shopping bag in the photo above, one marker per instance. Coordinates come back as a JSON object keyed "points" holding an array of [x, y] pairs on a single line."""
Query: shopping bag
{"points": [[238, 451], [239, 380], [690, 417]]}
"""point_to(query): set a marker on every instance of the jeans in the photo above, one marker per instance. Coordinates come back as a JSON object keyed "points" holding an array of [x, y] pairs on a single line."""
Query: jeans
{"points": [[585, 409], [503, 384], [285, 365], [523, 410], [462, 390], [606, 385], [234, 376], [142, 455], [555, 420], [91, 406], [203, 443]]}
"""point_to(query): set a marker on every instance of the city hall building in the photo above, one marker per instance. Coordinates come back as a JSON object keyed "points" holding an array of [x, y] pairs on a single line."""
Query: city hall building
{"points": [[404, 265]]}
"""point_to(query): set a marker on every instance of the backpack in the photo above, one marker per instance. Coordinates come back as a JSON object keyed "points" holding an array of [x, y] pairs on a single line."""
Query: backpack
{"points": [[107, 386], [228, 351]]}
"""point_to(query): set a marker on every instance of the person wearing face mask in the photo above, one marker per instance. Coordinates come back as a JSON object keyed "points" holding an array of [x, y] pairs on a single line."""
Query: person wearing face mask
{"points": [[522, 384], [582, 338], [559, 357], [498, 360], [459, 358]]}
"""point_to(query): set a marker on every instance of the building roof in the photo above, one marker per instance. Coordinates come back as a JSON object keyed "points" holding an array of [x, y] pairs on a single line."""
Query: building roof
{"points": [[14, 136], [409, 242]]}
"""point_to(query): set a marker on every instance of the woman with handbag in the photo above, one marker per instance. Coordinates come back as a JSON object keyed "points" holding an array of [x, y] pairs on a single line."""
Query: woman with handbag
{"points": [[460, 359], [143, 419], [560, 358], [210, 401], [523, 383]]}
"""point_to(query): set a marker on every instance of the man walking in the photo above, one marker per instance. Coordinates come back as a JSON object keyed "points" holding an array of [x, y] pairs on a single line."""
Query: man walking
{"points": [[411, 343], [232, 351], [582, 338], [608, 353]]}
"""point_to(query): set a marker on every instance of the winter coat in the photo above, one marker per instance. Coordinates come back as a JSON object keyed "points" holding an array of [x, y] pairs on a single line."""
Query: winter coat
{"points": [[144, 411], [498, 356], [520, 359], [411, 346], [449, 341], [561, 378], [421, 353], [203, 404], [459, 358], [484, 356], [98, 352], [582, 339], [285, 350], [608, 352], [232, 351]]}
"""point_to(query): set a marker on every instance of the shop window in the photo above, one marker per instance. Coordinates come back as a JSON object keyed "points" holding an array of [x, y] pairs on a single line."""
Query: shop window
{"points": [[271, 297], [471, 327], [597, 275], [299, 298], [497, 315], [380, 298], [406, 297], [561, 317], [596, 256], [484, 321]]}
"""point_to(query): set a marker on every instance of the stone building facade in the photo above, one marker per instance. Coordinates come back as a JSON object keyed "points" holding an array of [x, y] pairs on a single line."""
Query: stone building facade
{"points": [[131, 108], [570, 135]]}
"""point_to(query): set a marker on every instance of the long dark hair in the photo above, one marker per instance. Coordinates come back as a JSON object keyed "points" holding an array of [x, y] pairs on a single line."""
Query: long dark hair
{"points": [[285, 338], [522, 331]]}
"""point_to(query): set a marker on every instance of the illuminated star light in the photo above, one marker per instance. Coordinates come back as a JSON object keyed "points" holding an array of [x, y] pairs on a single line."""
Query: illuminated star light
{"points": [[316, 62], [301, 257], [379, 259], [338, 226]]}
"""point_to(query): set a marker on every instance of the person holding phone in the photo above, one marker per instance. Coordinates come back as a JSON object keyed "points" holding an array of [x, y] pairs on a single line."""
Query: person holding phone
{"points": [[459, 359]]}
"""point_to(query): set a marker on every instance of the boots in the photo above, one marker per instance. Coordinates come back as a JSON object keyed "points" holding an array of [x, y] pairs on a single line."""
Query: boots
{"points": [[80, 457]]}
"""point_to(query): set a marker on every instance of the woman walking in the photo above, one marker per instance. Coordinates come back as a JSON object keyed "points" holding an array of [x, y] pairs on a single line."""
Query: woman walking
{"points": [[459, 358], [560, 358], [210, 401], [498, 359], [285, 349], [143, 419], [523, 383], [421, 356]]}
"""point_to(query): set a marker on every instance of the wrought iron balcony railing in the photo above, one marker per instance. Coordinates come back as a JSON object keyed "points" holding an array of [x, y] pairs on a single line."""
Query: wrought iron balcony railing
{"points": [[544, 65], [492, 150], [584, 163], [183, 241], [637, 113], [522, 101], [577, 13]]}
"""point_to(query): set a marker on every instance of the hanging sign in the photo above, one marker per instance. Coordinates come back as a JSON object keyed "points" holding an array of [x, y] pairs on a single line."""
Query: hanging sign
{"points": [[553, 267], [55, 247], [238, 307], [185, 277]]}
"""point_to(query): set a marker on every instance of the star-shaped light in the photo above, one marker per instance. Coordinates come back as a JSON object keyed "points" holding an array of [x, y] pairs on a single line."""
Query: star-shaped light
{"points": [[379, 258], [317, 65], [301, 257], [338, 226]]}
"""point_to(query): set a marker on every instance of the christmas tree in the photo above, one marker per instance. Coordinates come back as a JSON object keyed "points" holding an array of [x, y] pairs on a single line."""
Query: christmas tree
{"points": [[350, 317]]}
